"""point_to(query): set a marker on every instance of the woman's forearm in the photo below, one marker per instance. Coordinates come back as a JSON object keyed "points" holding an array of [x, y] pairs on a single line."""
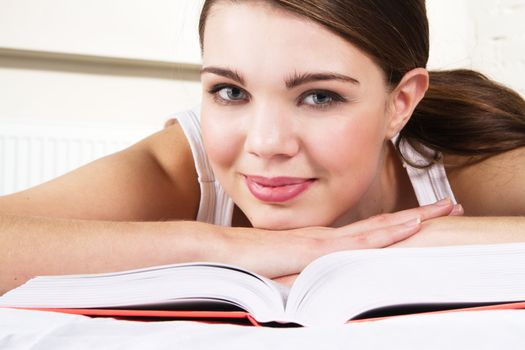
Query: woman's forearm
{"points": [[31, 246], [454, 230]]}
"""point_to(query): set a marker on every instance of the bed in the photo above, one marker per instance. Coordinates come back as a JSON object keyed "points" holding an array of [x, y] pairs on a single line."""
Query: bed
{"points": [[502, 329]]}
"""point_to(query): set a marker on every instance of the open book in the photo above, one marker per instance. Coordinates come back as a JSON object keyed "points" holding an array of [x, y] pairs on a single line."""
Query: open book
{"points": [[333, 289]]}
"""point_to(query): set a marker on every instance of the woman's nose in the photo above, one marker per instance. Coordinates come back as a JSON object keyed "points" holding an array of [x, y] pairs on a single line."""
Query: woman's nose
{"points": [[272, 133]]}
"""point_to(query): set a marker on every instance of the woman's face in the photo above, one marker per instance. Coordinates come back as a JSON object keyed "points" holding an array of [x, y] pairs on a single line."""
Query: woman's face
{"points": [[294, 118]]}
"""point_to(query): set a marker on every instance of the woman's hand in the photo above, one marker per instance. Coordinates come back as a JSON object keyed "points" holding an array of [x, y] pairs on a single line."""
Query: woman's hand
{"points": [[281, 255]]}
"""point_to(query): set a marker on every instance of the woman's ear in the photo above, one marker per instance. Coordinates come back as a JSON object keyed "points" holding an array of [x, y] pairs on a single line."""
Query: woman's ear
{"points": [[404, 99]]}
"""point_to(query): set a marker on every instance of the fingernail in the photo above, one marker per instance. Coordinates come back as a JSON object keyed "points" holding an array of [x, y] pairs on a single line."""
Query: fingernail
{"points": [[443, 202], [458, 210], [413, 223]]}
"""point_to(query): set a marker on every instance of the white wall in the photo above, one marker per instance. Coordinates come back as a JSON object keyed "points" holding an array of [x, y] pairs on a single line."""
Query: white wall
{"points": [[61, 89], [485, 35], [136, 61], [159, 30], [124, 61]]}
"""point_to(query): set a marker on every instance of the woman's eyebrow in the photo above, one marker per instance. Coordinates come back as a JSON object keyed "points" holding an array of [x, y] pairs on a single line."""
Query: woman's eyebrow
{"points": [[224, 72], [294, 81], [304, 78]]}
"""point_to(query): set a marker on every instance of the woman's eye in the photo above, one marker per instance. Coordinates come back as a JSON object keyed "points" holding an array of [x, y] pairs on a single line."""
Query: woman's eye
{"points": [[321, 99], [317, 99], [231, 93]]}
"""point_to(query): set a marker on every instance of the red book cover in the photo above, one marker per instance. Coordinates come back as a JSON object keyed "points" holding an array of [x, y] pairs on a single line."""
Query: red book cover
{"points": [[235, 317]]}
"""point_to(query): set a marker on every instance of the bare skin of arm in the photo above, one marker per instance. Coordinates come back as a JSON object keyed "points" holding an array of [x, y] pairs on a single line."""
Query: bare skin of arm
{"points": [[492, 193], [135, 208]]}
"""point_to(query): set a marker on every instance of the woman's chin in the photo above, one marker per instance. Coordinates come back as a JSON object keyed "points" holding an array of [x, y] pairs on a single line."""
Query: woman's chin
{"points": [[277, 217], [284, 224]]}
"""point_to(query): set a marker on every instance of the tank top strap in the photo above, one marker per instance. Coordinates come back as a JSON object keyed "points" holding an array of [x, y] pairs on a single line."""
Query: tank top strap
{"points": [[430, 183], [215, 206]]}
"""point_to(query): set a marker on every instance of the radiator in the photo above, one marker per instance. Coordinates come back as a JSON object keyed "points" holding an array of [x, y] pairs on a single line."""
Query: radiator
{"points": [[32, 153]]}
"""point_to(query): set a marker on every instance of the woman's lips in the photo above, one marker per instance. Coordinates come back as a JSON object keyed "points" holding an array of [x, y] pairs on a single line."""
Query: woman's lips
{"points": [[277, 189]]}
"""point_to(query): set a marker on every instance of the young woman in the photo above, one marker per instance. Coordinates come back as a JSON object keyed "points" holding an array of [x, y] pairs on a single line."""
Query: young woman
{"points": [[319, 130]]}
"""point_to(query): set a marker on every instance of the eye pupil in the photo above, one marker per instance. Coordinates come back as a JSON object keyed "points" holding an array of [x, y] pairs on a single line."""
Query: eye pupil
{"points": [[229, 94], [234, 93], [321, 98]]}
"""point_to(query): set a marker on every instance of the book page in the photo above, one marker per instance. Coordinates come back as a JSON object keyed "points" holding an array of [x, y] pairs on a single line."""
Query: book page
{"points": [[342, 285], [165, 287]]}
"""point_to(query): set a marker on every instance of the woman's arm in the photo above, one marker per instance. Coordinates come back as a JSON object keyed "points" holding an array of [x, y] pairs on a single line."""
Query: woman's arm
{"points": [[467, 230], [492, 187], [154, 179], [100, 217], [492, 193], [31, 246]]}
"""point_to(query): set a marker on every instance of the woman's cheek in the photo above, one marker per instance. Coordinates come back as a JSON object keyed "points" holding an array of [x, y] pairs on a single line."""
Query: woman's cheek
{"points": [[351, 155], [343, 144], [220, 141]]}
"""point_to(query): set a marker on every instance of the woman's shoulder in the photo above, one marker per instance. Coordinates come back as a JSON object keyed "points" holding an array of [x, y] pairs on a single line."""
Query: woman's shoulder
{"points": [[173, 154], [494, 186], [154, 179]]}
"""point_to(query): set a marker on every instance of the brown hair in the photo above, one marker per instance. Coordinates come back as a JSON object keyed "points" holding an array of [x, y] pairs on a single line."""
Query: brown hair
{"points": [[462, 113]]}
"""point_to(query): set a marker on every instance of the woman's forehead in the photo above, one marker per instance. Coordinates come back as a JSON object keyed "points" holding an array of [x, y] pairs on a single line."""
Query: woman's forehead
{"points": [[254, 37]]}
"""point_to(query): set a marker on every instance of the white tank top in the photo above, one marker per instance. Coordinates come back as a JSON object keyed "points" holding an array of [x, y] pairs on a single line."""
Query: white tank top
{"points": [[216, 207]]}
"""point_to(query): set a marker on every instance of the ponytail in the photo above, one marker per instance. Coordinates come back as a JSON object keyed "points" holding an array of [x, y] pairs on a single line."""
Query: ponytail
{"points": [[465, 113]]}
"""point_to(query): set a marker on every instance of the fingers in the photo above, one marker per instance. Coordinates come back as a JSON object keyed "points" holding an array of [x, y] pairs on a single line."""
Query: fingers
{"points": [[441, 208], [457, 211], [311, 242], [379, 237], [425, 212], [387, 229]]}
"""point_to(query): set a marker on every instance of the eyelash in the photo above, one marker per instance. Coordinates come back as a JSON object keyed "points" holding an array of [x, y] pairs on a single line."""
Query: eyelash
{"points": [[335, 98], [214, 91]]}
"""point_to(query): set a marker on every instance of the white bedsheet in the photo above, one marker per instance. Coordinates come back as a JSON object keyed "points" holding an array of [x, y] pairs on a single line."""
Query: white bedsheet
{"points": [[503, 329]]}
